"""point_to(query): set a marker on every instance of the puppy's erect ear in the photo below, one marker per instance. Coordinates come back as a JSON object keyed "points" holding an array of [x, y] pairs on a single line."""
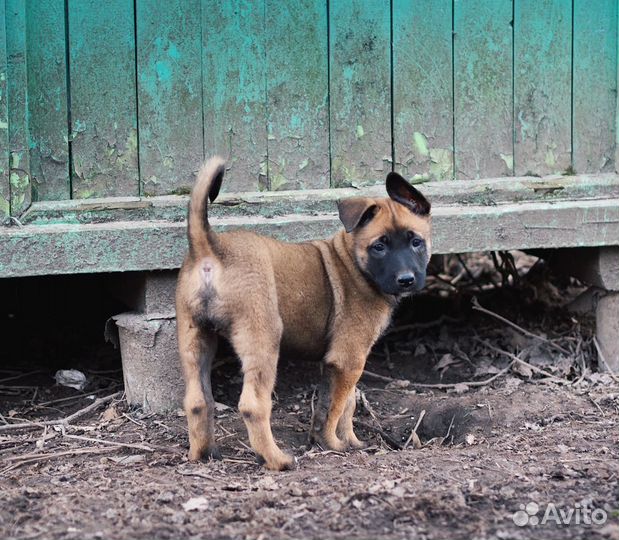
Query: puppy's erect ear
{"points": [[401, 191], [356, 212]]}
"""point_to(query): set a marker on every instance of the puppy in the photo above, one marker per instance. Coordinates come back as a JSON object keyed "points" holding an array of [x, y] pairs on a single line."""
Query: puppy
{"points": [[330, 299]]}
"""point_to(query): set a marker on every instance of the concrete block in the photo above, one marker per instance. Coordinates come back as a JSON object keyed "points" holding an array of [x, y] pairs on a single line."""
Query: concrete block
{"points": [[146, 292], [159, 292], [598, 266], [607, 331], [151, 367]]}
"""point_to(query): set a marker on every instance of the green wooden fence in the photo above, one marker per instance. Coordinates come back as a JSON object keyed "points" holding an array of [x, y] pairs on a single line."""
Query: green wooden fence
{"points": [[110, 98]]}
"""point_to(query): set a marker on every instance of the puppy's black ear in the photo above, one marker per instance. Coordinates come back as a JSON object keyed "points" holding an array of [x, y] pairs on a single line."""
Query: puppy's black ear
{"points": [[356, 212], [401, 191]]}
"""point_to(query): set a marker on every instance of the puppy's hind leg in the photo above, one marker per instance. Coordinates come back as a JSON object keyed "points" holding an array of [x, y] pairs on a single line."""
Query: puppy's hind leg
{"points": [[197, 349], [258, 349]]}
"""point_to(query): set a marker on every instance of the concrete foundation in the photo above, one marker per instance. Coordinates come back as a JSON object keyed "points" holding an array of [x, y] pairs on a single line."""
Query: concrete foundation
{"points": [[151, 368], [147, 339], [607, 330]]}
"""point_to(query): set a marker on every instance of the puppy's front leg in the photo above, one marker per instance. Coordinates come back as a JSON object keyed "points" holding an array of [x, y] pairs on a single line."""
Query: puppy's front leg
{"points": [[341, 373], [345, 426]]}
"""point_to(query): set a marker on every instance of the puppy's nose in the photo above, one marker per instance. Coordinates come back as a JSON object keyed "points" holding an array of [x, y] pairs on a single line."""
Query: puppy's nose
{"points": [[406, 280]]}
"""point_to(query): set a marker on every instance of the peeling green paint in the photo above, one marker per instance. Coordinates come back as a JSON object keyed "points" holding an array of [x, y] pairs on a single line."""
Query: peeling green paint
{"points": [[421, 144], [441, 163], [508, 159]]}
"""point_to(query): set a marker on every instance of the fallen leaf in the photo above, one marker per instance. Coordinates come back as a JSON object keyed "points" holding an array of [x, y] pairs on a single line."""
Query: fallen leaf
{"points": [[195, 503], [461, 388], [111, 413], [219, 407], [523, 369], [128, 460], [268, 483], [398, 383], [444, 363]]}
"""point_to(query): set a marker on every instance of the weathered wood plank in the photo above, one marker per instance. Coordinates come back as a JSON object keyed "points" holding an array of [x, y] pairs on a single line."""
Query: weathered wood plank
{"points": [[542, 86], [483, 88], [235, 90], [423, 89], [19, 155], [125, 246], [103, 98], [5, 191], [486, 192], [47, 100], [595, 85], [169, 51], [360, 109], [297, 92]]}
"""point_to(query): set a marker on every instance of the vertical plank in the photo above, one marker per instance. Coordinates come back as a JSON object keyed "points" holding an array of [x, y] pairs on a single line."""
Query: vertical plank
{"points": [[19, 155], [595, 85], [542, 86], [47, 100], [169, 93], [235, 90], [483, 104], [423, 89], [103, 98], [360, 91], [5, 192], [297, 92]]}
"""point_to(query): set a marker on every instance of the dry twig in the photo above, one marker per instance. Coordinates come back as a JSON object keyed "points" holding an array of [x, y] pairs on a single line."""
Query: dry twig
{"points": [[478, 307], [414, 432], [603, 359], [63, 421], [523, 362]]}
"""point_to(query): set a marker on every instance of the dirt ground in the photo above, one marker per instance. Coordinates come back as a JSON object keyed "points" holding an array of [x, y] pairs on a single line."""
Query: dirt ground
{"points": [[469, 420]]}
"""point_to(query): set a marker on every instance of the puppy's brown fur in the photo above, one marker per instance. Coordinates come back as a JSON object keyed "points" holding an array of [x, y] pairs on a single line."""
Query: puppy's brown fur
{"points": [[265, 296]]}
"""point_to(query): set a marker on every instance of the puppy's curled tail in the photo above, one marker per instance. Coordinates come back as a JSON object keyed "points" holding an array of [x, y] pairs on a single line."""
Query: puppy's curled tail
{"points": [[207, 185]]}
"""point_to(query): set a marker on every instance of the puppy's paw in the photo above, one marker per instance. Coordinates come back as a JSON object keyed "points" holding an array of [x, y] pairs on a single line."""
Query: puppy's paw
{"points": [[354, 443], [329, 442], [204, 454], [281, 462]]}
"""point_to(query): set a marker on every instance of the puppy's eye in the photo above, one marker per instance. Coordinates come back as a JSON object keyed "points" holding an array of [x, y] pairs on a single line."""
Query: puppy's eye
{"points": [[416, 242], [379, 246]]}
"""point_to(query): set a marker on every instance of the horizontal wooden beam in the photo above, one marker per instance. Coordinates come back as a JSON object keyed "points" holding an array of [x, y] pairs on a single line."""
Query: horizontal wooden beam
{"points": [[119, 246], [486, 192]]}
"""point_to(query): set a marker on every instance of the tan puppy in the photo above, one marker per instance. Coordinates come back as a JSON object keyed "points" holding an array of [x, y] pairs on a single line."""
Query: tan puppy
{"points": [[329, 299]]}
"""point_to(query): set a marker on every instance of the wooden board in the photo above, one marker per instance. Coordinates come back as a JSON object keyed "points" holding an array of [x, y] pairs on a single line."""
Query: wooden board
{"points": [[150, 245], [5, 192], [169, 94], [595, 85], [297, 93], [422, 89], [234, 88], [483, 88], [19, 155], [103, 98], [360, 91], [542, 86], [173, 208], [47, 100]]}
